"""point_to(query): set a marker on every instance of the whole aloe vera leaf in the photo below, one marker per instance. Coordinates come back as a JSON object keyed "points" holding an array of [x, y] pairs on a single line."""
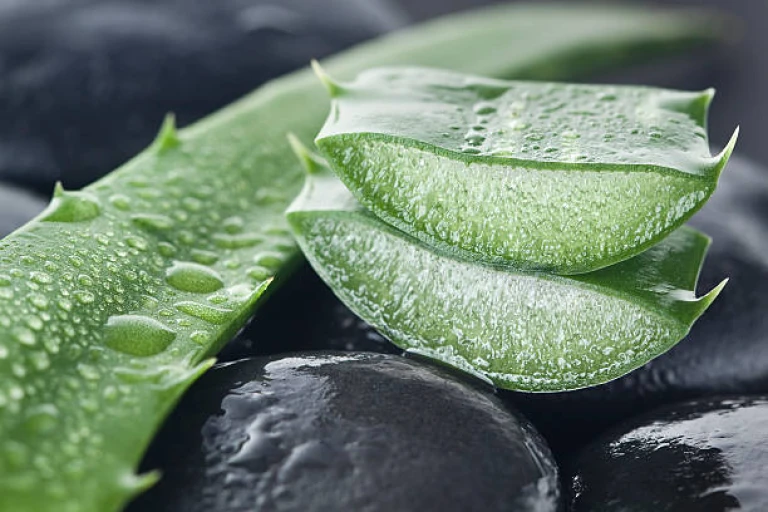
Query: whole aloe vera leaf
{"points": [[101, 325], [535, 332], [566, 178]]}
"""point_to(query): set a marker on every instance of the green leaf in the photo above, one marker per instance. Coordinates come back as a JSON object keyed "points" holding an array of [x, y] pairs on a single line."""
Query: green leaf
{"points": [[524, 331], [564, 178], [101, 325]]}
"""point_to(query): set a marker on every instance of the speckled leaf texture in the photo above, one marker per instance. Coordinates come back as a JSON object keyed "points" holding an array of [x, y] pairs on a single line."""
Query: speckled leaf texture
{"points": [[113, 301], [557, 177], [523, 331]]}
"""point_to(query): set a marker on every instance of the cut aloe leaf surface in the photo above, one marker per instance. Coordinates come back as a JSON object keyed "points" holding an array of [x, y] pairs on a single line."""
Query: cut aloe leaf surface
{"points": [[523, 331], [566, 178], [113, 301]]}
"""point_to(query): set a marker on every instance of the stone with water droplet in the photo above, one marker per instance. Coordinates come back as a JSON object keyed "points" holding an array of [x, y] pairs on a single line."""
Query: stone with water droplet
{"points": [[280, 426], [137, 335], [193, 277]]}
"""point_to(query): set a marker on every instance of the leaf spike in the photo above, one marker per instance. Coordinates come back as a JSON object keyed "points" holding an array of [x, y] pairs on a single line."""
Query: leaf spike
{"points": [[721, 159], [703, 302], [141, 483], [333, 87], [58, 189], [310, 161], [167, 137]]}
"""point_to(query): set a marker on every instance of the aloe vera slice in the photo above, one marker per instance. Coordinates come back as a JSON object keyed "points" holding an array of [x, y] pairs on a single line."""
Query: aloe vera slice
{"points": [[523, 331], [101, 325], [565, 178]]}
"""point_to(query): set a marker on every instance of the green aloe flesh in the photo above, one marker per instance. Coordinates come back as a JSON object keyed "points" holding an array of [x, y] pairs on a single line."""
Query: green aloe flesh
{"points": [[558, 177], [113, 301], [525, 331]]}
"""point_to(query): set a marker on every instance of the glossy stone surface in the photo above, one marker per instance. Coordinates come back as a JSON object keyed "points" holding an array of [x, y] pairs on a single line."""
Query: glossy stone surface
{"points": [[705, 456], [727, 349], [84, 84], [17, 206], [346, 431]]}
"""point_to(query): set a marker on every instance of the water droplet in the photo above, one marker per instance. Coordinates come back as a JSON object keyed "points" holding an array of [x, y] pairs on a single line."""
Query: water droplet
{"points": [[5, 280], [71, 207], [39, 302], [137, 335], [239, 241], [42, 418], [474, 139], [268, 259], [204, 257], [84, 297], [193, 277], [204, 312], [152, 222], [75, 261], [233, 225], [259, 273], [87, 371], [484, 109], [471, 151], [136, 242], [120, 202], [199, 337], [34, 322], [3, 352], [166, 249], [24, 336], [40, 361]]}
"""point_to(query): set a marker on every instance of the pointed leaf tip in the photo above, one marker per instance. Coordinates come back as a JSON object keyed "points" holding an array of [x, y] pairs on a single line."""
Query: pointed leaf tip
{"points": [[311, 163], [167, 137], [333, 87], [722, 159], [58, 189]]}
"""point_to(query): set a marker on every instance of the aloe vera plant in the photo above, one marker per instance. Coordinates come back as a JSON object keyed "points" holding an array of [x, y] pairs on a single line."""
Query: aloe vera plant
{"points": [[113, 300], [566, 178], [520, 330]]}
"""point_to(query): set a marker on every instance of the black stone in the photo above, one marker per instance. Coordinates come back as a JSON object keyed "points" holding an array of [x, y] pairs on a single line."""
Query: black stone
{"points": [[84, 84], [346, 431], [704, 456], [17, 206], [726, 352]]}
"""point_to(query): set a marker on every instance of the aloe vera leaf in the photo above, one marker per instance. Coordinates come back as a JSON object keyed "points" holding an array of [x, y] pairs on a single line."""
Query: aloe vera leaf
{"points": [[81, 387], [533, 332], [566, 178]]}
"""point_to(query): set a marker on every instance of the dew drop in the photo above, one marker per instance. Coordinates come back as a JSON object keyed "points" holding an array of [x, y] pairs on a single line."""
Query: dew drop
{"points": [[239, 241], [5, 280], [193, 277], [137, 335], [41, 419], [152, 222], [120, 202], [87, 371], [199, 337], [233, 225], [268, 259], [166, 249], [136, 242], [3, 352], [204, 257], [39, 302], [84, 297], [210, 314], [484, 109], [24, 336]]}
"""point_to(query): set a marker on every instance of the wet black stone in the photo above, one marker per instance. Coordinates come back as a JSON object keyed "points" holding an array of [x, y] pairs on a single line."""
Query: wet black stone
{"points": [[704, 456], [726, 352], [346, 431], [84, 84], [17, 206], [303, 314]]}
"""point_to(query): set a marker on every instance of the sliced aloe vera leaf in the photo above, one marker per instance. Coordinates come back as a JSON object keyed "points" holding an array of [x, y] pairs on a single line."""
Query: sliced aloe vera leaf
{"points": [[524, 331], [566, 178], [97, 343]]}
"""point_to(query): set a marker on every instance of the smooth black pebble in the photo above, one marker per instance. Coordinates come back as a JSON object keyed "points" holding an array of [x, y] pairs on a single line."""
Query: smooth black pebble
{"points": [[332, 431], [84, 84], [703, 456], [726, 352]]}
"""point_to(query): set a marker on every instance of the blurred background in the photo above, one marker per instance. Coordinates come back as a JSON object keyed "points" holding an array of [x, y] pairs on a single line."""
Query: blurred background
{"points": [[84, 84]]}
